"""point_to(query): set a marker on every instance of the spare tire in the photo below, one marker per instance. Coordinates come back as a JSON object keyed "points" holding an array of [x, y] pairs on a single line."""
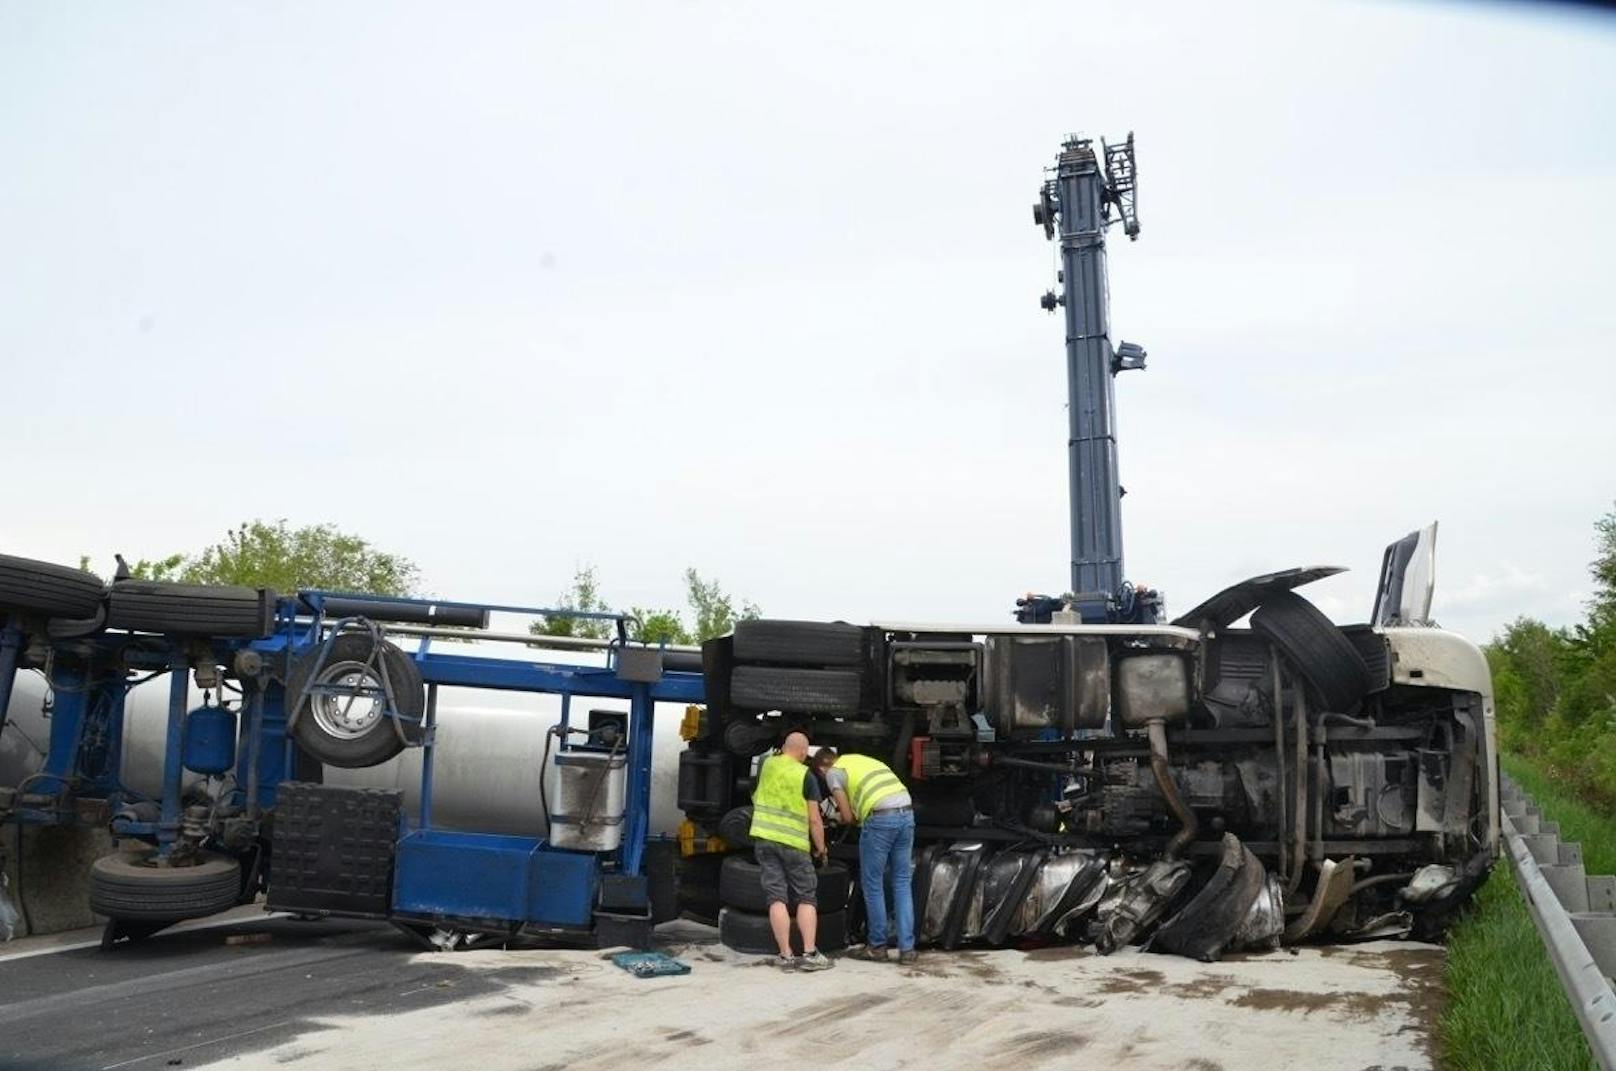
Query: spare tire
{"points": [[795, 691], [1377, 657], [1324, 657], [47, 590], [191, 609], [352, 730], [799, 643], [740, 884], [129, 885], [746, 931]]}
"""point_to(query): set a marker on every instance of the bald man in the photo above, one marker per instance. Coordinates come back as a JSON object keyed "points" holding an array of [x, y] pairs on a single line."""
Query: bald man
{"points": [[786, 826]]}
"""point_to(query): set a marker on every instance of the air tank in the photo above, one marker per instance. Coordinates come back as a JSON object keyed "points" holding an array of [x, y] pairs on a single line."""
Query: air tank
{"points": [[490, 747]]}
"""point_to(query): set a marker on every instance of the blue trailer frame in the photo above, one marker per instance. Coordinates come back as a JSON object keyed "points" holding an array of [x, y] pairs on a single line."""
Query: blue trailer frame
{"points": [[472, 880]]}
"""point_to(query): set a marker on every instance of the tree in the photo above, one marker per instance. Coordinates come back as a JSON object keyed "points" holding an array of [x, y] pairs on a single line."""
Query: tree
{"points": [[259, 554], [659, 626], [1603, 567], [583, 596], [712, 610]]}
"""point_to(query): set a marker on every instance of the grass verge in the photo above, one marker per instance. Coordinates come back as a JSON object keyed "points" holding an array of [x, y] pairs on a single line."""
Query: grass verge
{"points": [[1506, 1011], [1593, 829]]}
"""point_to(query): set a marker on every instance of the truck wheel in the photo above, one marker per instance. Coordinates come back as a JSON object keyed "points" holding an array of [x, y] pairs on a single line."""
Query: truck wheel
{"points": [[795, 691], [1315, 647], [746, 931], [1371, 647], [33, 587], [130, 886], [799, 643], [191, 609], [740, 884], [698, 887], [353, 732], [735, 828]]}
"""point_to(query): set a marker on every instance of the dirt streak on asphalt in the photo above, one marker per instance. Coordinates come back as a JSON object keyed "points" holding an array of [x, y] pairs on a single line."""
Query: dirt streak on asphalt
{"points": [[1350, 1009]]}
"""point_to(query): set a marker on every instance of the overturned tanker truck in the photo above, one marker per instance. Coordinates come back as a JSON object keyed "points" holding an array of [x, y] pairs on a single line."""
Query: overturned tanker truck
{"points": [[1246, 774]]}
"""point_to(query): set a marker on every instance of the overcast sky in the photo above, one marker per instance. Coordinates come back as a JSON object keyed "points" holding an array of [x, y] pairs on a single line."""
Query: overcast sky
{"points": [[511, 288]]}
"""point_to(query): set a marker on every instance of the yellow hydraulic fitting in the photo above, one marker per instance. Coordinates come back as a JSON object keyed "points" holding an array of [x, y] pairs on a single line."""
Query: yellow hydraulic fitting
{"points": [[692, 842], [690, 727]]}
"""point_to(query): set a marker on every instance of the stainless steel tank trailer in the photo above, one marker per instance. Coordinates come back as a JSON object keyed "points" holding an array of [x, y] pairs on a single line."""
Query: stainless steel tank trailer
{"points": [[293, 685]]}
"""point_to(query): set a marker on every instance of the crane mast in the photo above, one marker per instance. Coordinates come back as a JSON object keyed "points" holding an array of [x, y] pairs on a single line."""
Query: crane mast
{"points": [[1088, 191]]}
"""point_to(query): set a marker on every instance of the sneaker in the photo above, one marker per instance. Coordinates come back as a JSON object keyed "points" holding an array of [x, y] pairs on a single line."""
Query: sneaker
{"points": [[785, 963], [814, 961], [873, 953], [908, 958]]}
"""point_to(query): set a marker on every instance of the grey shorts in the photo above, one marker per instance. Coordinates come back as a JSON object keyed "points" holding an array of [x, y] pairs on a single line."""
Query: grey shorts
{"points": [[788, 874]]}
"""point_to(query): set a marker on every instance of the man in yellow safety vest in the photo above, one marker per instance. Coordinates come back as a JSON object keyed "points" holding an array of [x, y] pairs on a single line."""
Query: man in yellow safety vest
{"points": [[786, 824], [866, 791]]}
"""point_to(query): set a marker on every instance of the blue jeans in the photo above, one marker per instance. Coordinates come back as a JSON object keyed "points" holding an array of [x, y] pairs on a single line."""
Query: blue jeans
{"points": [[886, 850]]}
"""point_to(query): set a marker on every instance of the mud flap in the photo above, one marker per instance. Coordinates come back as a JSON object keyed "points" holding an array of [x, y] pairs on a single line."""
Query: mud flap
{"points": [[1206, 926], [1335, 885]]}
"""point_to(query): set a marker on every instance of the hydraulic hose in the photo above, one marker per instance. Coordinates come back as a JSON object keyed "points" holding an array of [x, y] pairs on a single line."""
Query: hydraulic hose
{"points": [[1157, 731], [1033, 764]]}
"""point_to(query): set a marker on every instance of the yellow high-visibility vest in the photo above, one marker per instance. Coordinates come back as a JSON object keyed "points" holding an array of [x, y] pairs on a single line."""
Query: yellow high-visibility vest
{"points": [[869, 781], [779, 810]]}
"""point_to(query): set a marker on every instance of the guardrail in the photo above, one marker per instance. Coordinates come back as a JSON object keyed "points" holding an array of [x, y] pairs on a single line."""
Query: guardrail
{"points": [[1575, 914]]}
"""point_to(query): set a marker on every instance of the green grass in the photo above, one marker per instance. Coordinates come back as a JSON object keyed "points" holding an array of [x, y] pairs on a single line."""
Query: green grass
{"points": [[1506, 1011], [1591, 827]]}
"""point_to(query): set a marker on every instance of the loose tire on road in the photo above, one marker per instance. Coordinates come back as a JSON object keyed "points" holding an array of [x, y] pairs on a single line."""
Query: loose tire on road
{"points": [[746, 931], [1316, 647], [355, 735], [799, 643], [191, 609], [740, 884], [795, 691], [127, 886], [46, 590]]}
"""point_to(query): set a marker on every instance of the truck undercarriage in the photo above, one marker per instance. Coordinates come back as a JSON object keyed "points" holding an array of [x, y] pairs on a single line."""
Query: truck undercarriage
{"points": [[1218, 786]]}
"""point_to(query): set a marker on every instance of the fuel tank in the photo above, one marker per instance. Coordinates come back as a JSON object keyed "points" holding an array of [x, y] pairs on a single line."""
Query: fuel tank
{"points": [[486, 765]]}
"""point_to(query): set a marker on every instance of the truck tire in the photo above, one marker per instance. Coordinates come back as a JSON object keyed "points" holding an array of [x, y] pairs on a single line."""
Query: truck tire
{"points": [[795, 691], [357, 734], [746, 931], [1371, 647], [128, 886], [191, 609], [1316, 648], [698, 887], [735, 828], [799, 643], [46, 590], [740, 884]]}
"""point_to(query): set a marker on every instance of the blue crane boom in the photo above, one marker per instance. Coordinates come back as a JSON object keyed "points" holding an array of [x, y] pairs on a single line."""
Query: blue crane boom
{"points": [[1086, 194]]}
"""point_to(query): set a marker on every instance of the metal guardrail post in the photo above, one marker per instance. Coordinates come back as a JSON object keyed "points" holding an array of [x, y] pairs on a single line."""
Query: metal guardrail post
{"points": [[1585, 985]]}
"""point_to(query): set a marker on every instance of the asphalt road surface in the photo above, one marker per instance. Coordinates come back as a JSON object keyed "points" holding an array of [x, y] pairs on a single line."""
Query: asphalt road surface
{"points": [[266, 992]]}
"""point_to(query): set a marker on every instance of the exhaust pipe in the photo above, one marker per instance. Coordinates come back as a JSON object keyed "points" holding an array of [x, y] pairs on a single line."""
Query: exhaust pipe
{"points": [[1157, 730]]}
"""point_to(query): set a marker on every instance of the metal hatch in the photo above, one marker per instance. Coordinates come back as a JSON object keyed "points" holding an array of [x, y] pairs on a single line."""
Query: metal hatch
{"points": [[1238, 600], [1407, 580]]}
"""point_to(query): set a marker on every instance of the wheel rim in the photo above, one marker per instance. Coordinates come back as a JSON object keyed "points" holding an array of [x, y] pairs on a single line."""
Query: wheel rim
{"points": [[349, 702]]}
